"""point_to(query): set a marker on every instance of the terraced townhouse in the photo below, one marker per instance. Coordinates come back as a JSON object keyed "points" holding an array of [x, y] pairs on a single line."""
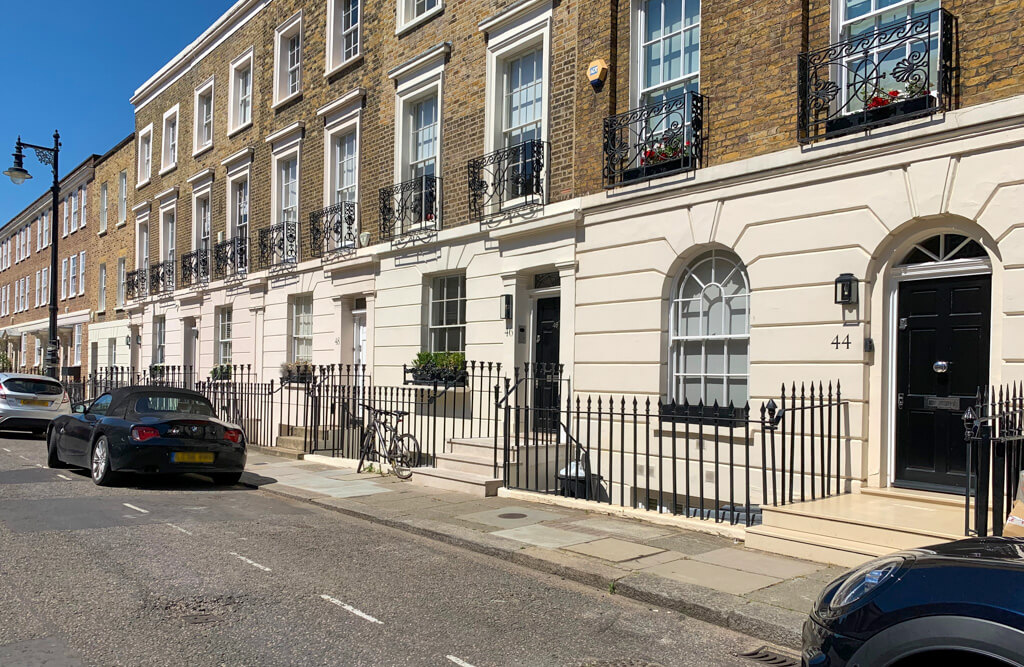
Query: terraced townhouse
{"points": [[92, 326], [693, 202]]}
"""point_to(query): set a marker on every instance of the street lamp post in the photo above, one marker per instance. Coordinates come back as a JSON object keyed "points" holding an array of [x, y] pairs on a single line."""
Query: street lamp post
{"points": [[18, 175]]}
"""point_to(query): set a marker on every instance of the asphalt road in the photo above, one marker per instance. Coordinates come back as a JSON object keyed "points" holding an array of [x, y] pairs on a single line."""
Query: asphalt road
{"points": [[181, 572]]}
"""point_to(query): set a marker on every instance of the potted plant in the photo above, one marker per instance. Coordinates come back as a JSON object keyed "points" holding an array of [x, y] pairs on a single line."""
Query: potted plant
{"points": [[447, 368], [293, 371], [882, 106], [5, 362], [157, 371], [221, 372], [659, 156]]}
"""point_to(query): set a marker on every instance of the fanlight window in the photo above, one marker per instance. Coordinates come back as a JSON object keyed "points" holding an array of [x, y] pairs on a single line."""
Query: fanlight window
{"points": [[709, 332], [944, 248]]}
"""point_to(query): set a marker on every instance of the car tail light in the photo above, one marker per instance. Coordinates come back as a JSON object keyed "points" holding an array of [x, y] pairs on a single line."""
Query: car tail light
{"points": [[233, 435], [144, 433], [66, 399]]}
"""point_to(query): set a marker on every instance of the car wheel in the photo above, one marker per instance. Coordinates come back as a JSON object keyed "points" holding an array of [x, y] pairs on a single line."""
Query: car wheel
{"points": [[52, 459], [226, 478], [100, 468]]}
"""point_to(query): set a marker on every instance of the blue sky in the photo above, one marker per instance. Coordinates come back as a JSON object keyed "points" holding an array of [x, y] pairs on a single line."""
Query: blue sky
{"points": [[78, 62]]}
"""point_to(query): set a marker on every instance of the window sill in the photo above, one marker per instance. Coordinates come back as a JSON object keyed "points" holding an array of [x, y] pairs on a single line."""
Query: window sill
{"points": [[100, 312], [168, 169], [285, 100], [419, 20], [202, 149], [119, 309], [343, 65], [121, 224], [142, 184], [102, 232], [239, 129]]}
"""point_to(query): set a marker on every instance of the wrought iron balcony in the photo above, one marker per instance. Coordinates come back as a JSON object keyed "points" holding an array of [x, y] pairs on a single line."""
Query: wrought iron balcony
{"points": [[411, 209], [279, 245], [161, 277], [195, 267], [231, 257], [136, 283], [334, 230], [656, 140], [894, 73], [507, 179]]}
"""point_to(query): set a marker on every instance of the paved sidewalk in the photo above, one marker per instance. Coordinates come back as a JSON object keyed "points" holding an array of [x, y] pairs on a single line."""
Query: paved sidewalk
{"points": [[711, 578]]}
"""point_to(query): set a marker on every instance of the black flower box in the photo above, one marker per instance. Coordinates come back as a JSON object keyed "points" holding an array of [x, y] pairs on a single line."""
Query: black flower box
{"points": [[885, 115], [684, 163]]}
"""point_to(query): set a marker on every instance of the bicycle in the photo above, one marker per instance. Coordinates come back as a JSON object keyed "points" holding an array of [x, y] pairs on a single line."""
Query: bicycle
{"points": [[401, 451]]}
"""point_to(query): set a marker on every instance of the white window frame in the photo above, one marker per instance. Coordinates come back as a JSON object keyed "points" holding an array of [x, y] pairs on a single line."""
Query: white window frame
{"points": [[169, 231], [239, 167], [74, 222], [341, 118], [286, 146], [433, 298], [144, 162], [288, 63], [677, 340], [159, 339], [101, 296], [294, 333], [83, 205], [39, 289], [122, 198], [637, 90], [337, 10], [170, 140], [81, 273], [202, 192], [409, 19], [67, 210], [243, 62], [73, 276], [223, 326], [142, 240], [45, 276], [104, 206], [122, 278], [78, 345], [199, 145], [64, 279]]}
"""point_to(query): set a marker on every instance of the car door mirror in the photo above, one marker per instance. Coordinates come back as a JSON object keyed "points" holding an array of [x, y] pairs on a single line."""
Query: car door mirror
{"points": [[79, 408]]}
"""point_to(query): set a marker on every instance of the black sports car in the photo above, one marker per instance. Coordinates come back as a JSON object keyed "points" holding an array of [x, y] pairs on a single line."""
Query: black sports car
{"points": [[154, 430], [960, 603]]}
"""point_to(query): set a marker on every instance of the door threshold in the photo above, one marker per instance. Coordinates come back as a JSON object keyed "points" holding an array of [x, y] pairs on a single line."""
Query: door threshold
{"points": [[929, 488]]}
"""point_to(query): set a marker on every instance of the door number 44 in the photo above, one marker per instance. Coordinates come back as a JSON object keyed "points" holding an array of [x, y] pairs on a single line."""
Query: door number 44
{"points": [[846, 341]]}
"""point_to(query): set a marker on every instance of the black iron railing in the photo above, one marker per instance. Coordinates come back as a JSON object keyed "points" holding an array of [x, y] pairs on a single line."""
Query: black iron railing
{"points": [[279, 245], [195, 267], [411, 209], [994, 433], [655, 140], [897, 72], [231, 257], [136, 284], [334, 230], [507, 179], [161, 277]]}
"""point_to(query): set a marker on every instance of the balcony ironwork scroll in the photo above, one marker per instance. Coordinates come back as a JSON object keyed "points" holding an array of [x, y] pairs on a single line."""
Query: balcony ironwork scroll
{"points": [[161, 277], [654, 140], [411, 209], [279, 245], [136, 284], [897, 72], [195, 267], [334, 230], [231, 257], [507, 179]]}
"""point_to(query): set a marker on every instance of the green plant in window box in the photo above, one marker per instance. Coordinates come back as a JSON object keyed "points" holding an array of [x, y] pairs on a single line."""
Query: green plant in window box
{"points": [[221, 372], [157, 371], [296, 371], [447, 368]]}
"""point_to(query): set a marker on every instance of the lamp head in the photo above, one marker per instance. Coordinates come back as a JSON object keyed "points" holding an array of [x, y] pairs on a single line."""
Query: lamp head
{"points": [[18, 174]]}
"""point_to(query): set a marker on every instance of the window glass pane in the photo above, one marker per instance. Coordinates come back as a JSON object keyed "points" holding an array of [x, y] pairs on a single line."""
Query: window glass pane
{"points": [[692, 12], [692, 357], [715, 309], [714, 390], [714, 357], [652, 14], [689, 317], [737, 356], [736, 315], [737, 388]]}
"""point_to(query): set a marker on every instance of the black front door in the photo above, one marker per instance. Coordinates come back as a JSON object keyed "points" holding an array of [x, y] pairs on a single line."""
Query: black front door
{"points": [[942, 357], [546, 393]]}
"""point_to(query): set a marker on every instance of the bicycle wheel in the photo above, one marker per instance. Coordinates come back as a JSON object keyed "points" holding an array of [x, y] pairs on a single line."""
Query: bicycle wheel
{"points": [[405, 455], [365, 448]]}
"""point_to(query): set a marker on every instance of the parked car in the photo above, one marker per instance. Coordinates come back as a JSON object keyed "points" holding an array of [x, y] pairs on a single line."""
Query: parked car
{"points": [[147, 430], [30, 402], [960, 603]]}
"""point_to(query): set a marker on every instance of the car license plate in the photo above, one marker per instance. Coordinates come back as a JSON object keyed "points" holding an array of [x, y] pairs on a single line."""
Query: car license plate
{"points": [[192, 457], [33, 401]]}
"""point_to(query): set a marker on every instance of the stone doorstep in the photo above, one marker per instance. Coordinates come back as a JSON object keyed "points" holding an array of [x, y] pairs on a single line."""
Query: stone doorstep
{"points": [[771, 623]]}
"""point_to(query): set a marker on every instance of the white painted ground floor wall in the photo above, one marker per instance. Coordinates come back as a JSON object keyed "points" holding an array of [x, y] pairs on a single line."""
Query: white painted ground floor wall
{"points": [[795, 219]]}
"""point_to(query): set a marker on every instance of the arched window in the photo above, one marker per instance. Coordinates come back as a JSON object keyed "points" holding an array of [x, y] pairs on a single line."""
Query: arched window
{"points": [[709, 332]]}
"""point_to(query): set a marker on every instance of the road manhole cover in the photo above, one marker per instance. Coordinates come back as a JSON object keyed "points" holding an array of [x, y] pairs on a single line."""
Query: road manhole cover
{"points": [[766, 656], [512, 515]]}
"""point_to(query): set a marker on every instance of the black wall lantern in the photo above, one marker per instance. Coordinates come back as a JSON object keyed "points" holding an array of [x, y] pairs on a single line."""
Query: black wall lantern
{"points": [[846, 289], [506, 306]]}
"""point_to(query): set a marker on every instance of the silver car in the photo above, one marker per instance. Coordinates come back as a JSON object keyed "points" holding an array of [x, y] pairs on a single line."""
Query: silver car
{"points": [[30, 402]]}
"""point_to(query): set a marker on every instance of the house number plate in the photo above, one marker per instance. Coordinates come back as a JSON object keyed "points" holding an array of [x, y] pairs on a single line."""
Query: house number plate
{"points": [[936, 403]]}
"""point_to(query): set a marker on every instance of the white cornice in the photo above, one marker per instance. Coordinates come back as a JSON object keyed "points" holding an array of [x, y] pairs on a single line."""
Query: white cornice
{"points": [[510, 13], [141, 207], [433, 53], [229, 22], [348, 98], [295, 128], [168, 194], [203, 175], [244, 154]]}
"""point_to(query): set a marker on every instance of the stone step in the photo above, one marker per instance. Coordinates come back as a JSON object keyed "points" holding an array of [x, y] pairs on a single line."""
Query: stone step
{"points": [[290, 442], [816, 547], [283, 452], [479, 465], [291, 431], [453, 480], [480, 447]]}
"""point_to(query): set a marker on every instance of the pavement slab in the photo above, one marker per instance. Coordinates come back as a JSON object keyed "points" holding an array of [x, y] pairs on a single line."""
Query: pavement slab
{"points": [[758, 563], [510, 517], [614, 549], [795, 594], [716, 577], [544, 536], [690, 543], [651, 561], [626, 529]]}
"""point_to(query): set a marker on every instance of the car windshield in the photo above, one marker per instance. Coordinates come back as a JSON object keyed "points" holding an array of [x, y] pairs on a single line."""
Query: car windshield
{"points": [[33, 386], [164, 403]]}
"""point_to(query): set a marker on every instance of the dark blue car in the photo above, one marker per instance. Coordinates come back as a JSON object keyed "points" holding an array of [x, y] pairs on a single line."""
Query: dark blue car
{"points": [[148, 430], [960, 603]]}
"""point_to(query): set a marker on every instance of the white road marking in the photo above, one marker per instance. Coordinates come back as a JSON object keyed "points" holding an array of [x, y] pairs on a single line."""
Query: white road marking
{"points": [[63, 477], [39, 465], [458, 661], [133, 507], [7, 450], [352, 610], [250, 562], [179, 528]]}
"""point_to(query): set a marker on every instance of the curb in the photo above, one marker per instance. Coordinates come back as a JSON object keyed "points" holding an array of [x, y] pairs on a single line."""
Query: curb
{"points": [[773, 624]]}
